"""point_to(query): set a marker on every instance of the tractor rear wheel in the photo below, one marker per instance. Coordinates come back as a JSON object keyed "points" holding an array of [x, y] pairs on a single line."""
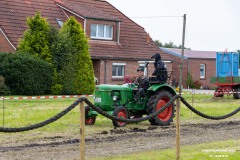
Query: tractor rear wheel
{"points": [[89, 120], [236, 93], [120, 112], [156, 102], [152, 121]]}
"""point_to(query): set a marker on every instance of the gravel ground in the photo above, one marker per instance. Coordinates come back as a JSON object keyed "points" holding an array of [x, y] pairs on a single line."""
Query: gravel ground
{"points": [[116, 141]]}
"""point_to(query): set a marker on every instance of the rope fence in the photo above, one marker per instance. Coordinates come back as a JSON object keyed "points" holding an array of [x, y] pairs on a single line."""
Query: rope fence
{"points": [[192, 92], [84, 99]]}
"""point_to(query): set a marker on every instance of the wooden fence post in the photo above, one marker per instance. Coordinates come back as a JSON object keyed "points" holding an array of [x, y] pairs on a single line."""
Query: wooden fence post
{"points": [[82, 131]]}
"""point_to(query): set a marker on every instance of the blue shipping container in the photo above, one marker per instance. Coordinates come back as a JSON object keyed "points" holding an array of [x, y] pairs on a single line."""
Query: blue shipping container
{"points": [[227, 64]]}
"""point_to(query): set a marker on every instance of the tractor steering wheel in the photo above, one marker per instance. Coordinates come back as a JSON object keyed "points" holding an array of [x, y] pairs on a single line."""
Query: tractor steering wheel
{"points": [[132, 85]]}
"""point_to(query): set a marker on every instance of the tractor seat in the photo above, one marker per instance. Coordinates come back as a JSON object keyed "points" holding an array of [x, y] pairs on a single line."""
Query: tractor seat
{"points": [[160, 78]]}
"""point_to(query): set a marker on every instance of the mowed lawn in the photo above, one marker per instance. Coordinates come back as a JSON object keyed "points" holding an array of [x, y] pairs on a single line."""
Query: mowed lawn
{"points": [[18, 113], [224, 150]]}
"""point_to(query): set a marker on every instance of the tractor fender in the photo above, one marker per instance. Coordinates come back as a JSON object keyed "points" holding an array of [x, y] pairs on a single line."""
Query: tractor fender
{"points": [[159, 87]]}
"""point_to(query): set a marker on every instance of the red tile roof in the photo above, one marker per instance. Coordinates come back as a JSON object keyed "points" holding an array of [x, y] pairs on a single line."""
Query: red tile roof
{"points": [[133, 38], [85, 10], [14, 13]]}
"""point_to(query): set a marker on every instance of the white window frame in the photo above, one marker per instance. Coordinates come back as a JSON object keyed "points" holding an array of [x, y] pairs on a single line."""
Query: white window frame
{"points": [[119, 64], [204, 71], [104, 32], [59, 21]]}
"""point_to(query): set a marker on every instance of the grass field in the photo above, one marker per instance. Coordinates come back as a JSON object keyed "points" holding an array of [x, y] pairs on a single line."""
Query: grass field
{"points": [[18, 113], [226, 150], [15, 113]]}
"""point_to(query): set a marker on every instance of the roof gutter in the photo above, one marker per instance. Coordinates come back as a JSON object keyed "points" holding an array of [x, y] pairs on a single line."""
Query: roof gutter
{"points": [[8, 39]]}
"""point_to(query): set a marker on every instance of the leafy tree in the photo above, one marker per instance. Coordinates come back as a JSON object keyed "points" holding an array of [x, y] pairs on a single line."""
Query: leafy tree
{"points": [[73, 60], [53, 36], [158, 43], [189, 81], [168, 45], [36, 40]]}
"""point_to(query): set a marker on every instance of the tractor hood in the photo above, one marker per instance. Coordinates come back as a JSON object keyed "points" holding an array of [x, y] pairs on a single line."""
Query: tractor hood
{"points": [[109, 87]]}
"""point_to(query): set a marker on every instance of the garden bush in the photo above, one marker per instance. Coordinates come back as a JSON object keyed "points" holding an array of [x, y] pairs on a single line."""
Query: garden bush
{"points": [[4, 90], [26, 74], [72, 60], [197, 84], [189, 81]]}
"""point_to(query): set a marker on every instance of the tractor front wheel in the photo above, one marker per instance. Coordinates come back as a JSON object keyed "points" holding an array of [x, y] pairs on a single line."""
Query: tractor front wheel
{"points": [[156, 102], [89, 120], [120, 112]]}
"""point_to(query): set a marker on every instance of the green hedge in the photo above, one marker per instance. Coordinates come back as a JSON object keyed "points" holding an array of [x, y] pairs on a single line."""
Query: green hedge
{"points": [[3, 55], [26, 74]]}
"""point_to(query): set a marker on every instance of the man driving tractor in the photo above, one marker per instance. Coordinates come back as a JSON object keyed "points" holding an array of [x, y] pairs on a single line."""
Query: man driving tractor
{"points": [[143, 84]]}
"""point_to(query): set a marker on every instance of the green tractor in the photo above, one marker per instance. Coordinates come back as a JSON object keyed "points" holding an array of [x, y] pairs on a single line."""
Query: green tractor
{"points": [[118, 100]]}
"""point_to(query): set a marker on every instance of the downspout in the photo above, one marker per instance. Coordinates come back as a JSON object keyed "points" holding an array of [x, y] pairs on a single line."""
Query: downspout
{"points": [[85, 23], [105, 71], [118, 32]]}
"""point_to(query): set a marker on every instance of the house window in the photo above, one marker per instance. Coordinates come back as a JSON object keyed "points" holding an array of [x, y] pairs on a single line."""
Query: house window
{"points": [[202, 70], [99, 31], [59, 21], [118, 70]]}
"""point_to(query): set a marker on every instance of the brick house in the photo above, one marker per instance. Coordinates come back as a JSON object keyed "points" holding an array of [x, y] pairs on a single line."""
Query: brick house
{"points": [[201, 64], [118, 46]]}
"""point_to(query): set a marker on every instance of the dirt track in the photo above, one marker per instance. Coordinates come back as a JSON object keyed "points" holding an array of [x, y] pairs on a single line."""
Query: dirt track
{"points": [[118, 141]]}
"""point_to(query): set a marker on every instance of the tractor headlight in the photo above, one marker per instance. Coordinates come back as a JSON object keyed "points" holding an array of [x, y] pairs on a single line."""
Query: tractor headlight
{"points": [[115, 98]]}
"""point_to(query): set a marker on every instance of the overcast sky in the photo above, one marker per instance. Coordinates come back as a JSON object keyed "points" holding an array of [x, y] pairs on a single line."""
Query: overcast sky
{"points": [[212, 25]]}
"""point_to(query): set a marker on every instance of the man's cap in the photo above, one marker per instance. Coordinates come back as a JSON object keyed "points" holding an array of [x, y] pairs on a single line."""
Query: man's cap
{"points": [[140, 69]]}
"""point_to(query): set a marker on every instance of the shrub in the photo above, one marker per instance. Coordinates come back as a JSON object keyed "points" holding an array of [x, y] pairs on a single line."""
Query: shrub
{"points": [[189, 81], [197, 84], [26, 74], [3, 55], [56, 87], [72, 59], [129, 79], [36, 40], [4, 90]]}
